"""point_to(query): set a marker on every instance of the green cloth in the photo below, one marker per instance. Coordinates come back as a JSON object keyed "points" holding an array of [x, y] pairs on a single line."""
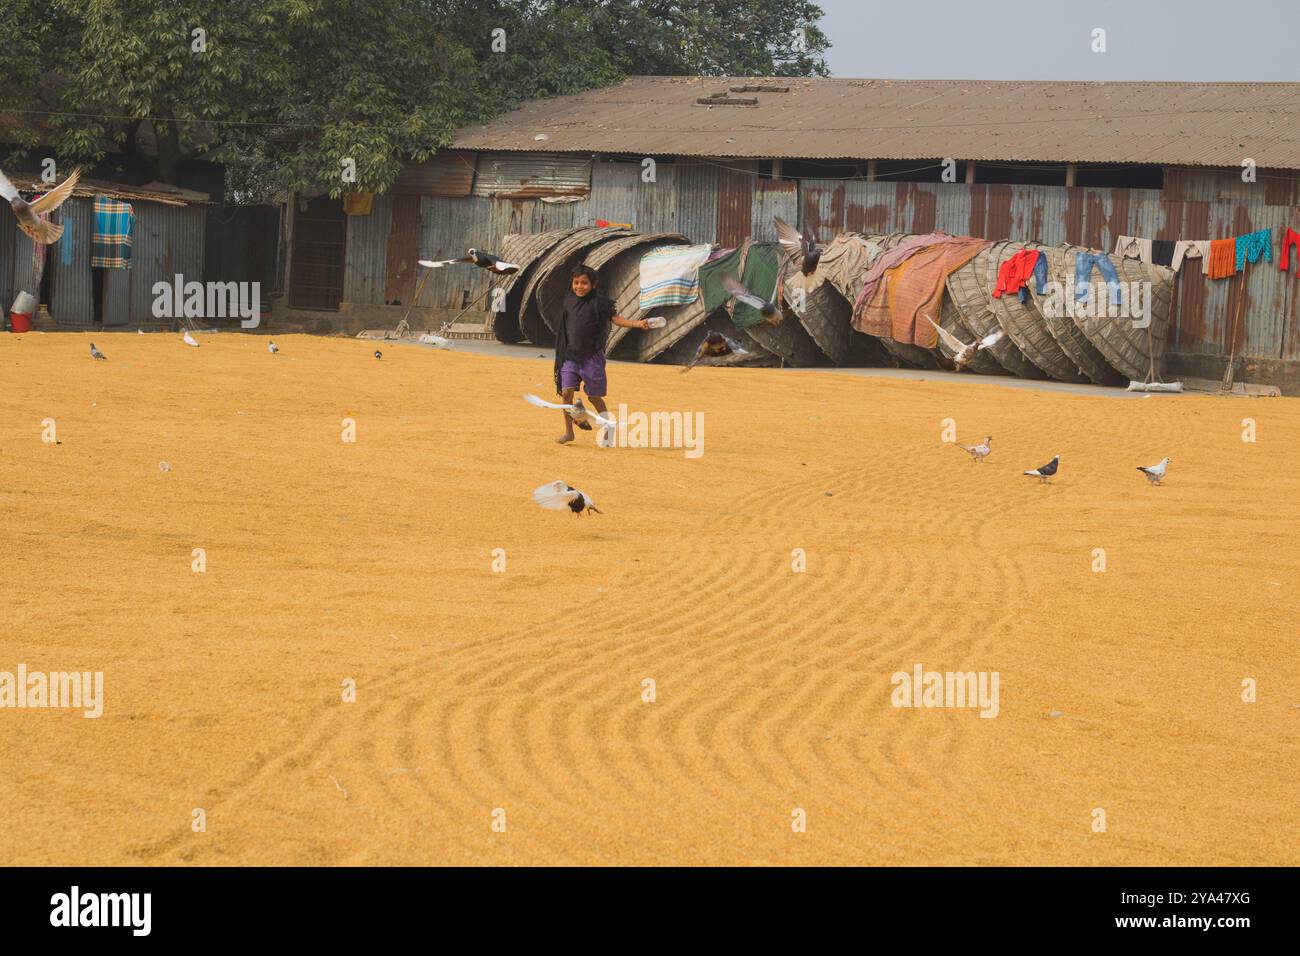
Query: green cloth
{"points": [[762, 264]]}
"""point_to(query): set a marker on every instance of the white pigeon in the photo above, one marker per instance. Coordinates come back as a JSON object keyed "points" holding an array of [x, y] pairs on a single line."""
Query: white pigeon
{"points": [[272, 347], [558, 496], [29, 214], [981, 451], [437, 341], [140, 331], [962, 352], [1045, 472], [1156, 473], [189, 340], [579, 412]]}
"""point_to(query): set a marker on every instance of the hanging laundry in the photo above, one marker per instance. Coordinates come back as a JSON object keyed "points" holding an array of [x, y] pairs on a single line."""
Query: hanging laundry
{"points": [[1253, 245], [1134, 247], [757, 265], [1291, 238], [1192, 249], [358, 204], [65, 242], [1015, 273], [1223, 258], [915, 289], [670, 275], [1083, 263], [111, 240], [1162, 252], [606, 224]]}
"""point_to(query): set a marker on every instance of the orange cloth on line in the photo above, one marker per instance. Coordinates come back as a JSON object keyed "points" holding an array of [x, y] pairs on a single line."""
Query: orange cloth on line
{"points": [[1223, 258], [1016, 272], [358, 204], [913, 289]]}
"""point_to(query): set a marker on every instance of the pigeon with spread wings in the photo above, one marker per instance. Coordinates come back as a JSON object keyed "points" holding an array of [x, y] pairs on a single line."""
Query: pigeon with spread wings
{"points": [[767, 310], [963, 353], [580, 413], [476, 257], [29, 214], [793, 239], [715, 345], [558, 496]]}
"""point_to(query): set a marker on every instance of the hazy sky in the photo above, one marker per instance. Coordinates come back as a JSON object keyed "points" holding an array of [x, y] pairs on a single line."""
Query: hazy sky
{"points": [[1223, 40]]}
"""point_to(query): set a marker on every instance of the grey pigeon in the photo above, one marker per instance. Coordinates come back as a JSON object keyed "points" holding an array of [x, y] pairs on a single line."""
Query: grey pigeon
{"points": [[378, 354], [97, 354], [809, 254], [715, 345], [1044, 472], [768, 310]]}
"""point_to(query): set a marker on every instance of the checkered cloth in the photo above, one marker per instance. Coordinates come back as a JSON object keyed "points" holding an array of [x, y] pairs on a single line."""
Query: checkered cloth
{"points": [[111, 242]]}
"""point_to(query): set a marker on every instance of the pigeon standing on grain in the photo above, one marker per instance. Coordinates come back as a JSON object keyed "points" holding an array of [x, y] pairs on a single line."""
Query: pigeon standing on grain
{"points": [[190, 340], [272, 347], [29, 214], [557, 496], [768, 310], [962, 352], [378, 354], [981, 451], [476, 257], [1045, 472], [97, 354], [715, 345], [1156, 473], [792, 238]]}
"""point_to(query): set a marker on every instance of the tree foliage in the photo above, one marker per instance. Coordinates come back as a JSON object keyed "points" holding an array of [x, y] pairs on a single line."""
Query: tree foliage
{"points": [[284, 92]]}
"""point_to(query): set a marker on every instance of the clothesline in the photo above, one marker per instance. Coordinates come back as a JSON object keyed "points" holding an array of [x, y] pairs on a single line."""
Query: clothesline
{"points": [[1220, 258]]}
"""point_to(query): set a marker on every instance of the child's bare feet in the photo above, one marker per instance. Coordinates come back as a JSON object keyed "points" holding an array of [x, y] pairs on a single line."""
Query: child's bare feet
{"points": [[565, 438]]}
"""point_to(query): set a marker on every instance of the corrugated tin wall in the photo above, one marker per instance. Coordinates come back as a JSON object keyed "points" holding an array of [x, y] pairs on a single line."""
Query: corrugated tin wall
{"points": [[8, 241], [365, 273], [71, 284], [532, 174], [168, 241]]}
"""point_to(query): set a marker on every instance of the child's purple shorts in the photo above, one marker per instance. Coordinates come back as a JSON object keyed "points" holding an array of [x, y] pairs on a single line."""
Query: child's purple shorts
{"points": [[590, 371]]}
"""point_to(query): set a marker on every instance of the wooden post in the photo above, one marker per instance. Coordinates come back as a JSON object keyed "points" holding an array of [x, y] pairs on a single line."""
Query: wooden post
{"points": [[970, 172], [1070, 172], [776, 168], [871, 170]]}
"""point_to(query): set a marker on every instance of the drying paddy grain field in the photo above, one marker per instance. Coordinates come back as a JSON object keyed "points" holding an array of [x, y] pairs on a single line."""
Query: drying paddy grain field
{"points": [[524, 690]]}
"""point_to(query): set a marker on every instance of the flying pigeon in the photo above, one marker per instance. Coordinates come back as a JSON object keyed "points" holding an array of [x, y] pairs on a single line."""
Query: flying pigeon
{"points": [[963, 353], [1156, 473], [190, 340], [580, 413], [715, 345], [378, 354], [97, 354], [981, 451], [557, 496], [1044, 472], [28, 215], [272, 347], [793, 239], [476, 257], [768, 310]]}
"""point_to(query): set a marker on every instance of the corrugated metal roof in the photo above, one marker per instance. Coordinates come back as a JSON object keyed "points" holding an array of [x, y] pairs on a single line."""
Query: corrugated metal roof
{"points": [[448, 173], [1178, 124], [151, 192], [516, 176]]}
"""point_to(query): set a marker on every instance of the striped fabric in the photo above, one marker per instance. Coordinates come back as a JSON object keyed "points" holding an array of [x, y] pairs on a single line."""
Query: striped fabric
{"points": [[111, 242], [670, 275]]}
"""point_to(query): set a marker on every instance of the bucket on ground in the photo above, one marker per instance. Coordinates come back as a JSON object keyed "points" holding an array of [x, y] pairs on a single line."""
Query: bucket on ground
{"points": [[20, 316]]}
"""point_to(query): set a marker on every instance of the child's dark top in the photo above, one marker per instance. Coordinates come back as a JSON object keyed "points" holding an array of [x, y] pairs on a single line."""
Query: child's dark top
{"points": [[583, 328]]}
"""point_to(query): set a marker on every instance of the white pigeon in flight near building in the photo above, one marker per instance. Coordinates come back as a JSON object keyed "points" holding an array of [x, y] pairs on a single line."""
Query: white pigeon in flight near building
{"points": [[1156, 473], [29, 214], [963, 353], [558, 496], [580, 413], [189, 340], [981, 451]]}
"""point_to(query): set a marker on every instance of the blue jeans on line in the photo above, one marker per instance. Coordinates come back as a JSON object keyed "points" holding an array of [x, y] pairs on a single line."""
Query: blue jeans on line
{"points": [[1040, 278], [1083, 264]]}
